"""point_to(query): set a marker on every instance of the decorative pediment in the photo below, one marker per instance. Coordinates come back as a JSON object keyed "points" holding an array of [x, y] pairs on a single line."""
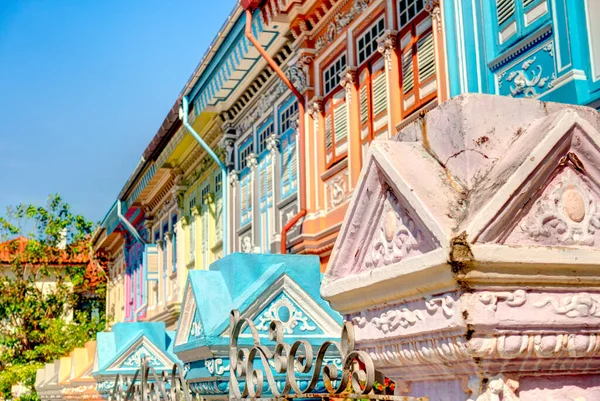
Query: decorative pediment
{"points": [[298, 312], [385, 224], [552, 196], [190, 324], [142, 348], [292, 317]]}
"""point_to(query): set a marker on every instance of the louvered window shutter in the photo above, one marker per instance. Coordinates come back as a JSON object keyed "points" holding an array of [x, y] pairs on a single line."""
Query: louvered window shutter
{"points": [[379, 93], [425, 57], [505, 10], [328, 132], [408, 79], [294, 164], [340, 122]]}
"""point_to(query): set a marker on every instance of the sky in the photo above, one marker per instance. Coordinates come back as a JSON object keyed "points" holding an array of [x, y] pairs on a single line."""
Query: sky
{"points": [[84, 87]]}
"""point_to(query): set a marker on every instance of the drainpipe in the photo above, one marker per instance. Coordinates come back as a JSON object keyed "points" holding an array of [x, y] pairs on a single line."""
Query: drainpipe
{"points": [[301, 110], [183, 116], [127, 224]]}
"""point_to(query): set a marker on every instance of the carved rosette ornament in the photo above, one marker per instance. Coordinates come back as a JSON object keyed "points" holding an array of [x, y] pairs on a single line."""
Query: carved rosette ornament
{"points": [[234, 177], [347, 81], [433, 8], [252, 161], [386, 45]]}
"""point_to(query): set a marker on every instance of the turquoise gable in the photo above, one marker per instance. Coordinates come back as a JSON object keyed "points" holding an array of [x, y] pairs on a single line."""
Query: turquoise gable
{"points": [[294, 320], [120, 351], [262, 288]]}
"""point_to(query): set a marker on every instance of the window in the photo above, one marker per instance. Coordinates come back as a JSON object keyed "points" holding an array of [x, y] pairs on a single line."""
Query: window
{"points": [[407, 10], [417, 54], [373, 100], [218, 182], [245, 200], [287, 116], [245, 150], [174, 247], [289, 164], [265, 132], [336, 127], [367, 42], [205, 195], [517, 18], [192, 236], [331, 75]]}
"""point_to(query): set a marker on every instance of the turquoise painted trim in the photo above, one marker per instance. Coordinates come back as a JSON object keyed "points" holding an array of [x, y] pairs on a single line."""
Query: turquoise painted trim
{"points": [[141, 185], [452, 58], [183, 115]]}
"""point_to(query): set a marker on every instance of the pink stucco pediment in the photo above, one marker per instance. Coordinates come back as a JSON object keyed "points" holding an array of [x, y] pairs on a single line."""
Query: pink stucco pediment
{"points": [[469, 256]]}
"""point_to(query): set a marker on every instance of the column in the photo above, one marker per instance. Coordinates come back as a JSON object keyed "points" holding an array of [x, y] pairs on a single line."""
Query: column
{"points": [[387, 47]]}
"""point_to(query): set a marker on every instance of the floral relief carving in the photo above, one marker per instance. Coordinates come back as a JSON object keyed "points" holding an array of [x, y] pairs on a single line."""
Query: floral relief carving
{"points": [[567, 212], [391, 320], [337, 190], [498, 388], [340, 21], [524, 84], [580, 305], [286, 312], [216, 366], [513, 299], [142, 352], [396, 237], [446, 304]]}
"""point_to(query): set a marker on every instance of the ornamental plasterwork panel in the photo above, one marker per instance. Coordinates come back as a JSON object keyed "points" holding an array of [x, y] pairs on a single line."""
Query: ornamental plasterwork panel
{"points": [[566, 213], [340, 21], [286, 311], [133, 361], [397, 236], [337, 189], [530, 76]]}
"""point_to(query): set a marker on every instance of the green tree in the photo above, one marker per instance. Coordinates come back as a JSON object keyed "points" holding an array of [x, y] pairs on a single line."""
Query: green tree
{"points": [[50, 303]]}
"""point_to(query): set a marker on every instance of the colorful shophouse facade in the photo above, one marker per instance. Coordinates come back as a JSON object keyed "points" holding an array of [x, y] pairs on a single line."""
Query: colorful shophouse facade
{"points": [[262, 288]]}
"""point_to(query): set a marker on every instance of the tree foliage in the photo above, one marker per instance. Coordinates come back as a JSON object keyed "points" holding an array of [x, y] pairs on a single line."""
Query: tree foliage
{"points": [[49, 302]]}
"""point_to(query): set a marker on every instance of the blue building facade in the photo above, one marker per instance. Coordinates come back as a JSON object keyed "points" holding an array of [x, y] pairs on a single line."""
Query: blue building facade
{"points": [[544, 49]]}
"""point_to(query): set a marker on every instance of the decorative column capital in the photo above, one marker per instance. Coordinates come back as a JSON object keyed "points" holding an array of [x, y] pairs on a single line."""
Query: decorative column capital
{"points": [[315, 106], [273, 143], [148, 222], [433, 8], [347, 81], [252, 161], [386, 45], [234, 177], [169, 236]]}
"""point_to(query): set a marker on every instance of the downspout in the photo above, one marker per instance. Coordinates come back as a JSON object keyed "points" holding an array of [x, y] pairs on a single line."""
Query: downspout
{"points": [[128, 225], [183, 116], [301, 111]]}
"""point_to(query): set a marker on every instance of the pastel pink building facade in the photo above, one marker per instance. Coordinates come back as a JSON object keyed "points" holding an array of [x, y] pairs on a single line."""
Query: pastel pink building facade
{"points": [[469, 259]]}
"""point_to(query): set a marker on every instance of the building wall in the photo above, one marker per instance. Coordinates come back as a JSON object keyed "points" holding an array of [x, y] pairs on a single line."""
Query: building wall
{"points": [[543, 49]]}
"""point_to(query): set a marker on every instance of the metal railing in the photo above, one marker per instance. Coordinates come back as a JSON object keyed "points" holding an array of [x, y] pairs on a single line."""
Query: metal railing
{"points": [[284, 370]]}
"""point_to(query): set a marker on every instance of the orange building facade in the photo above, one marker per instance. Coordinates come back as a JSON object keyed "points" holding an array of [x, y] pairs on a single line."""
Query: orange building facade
{"points": [[371, 67]]}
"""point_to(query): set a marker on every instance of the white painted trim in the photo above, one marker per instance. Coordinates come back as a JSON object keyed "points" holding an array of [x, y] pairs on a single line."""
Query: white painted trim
{"points": [[595, 74], [462, 65], [296, 294], [572, 75], [477, 57], [557, 37], [144, 342]]}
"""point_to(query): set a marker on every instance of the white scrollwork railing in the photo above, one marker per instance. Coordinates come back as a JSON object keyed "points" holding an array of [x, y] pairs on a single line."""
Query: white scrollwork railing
{"points": [[294, 359]]}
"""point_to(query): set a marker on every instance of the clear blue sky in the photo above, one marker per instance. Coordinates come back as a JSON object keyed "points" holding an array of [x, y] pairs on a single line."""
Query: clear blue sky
{"points": [[85, 85]]}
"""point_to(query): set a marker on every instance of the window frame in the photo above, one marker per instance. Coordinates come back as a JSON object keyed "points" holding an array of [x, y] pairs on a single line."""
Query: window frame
{"points": [[329, 105], [400, 51], [326, 92], [381, 18]]}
